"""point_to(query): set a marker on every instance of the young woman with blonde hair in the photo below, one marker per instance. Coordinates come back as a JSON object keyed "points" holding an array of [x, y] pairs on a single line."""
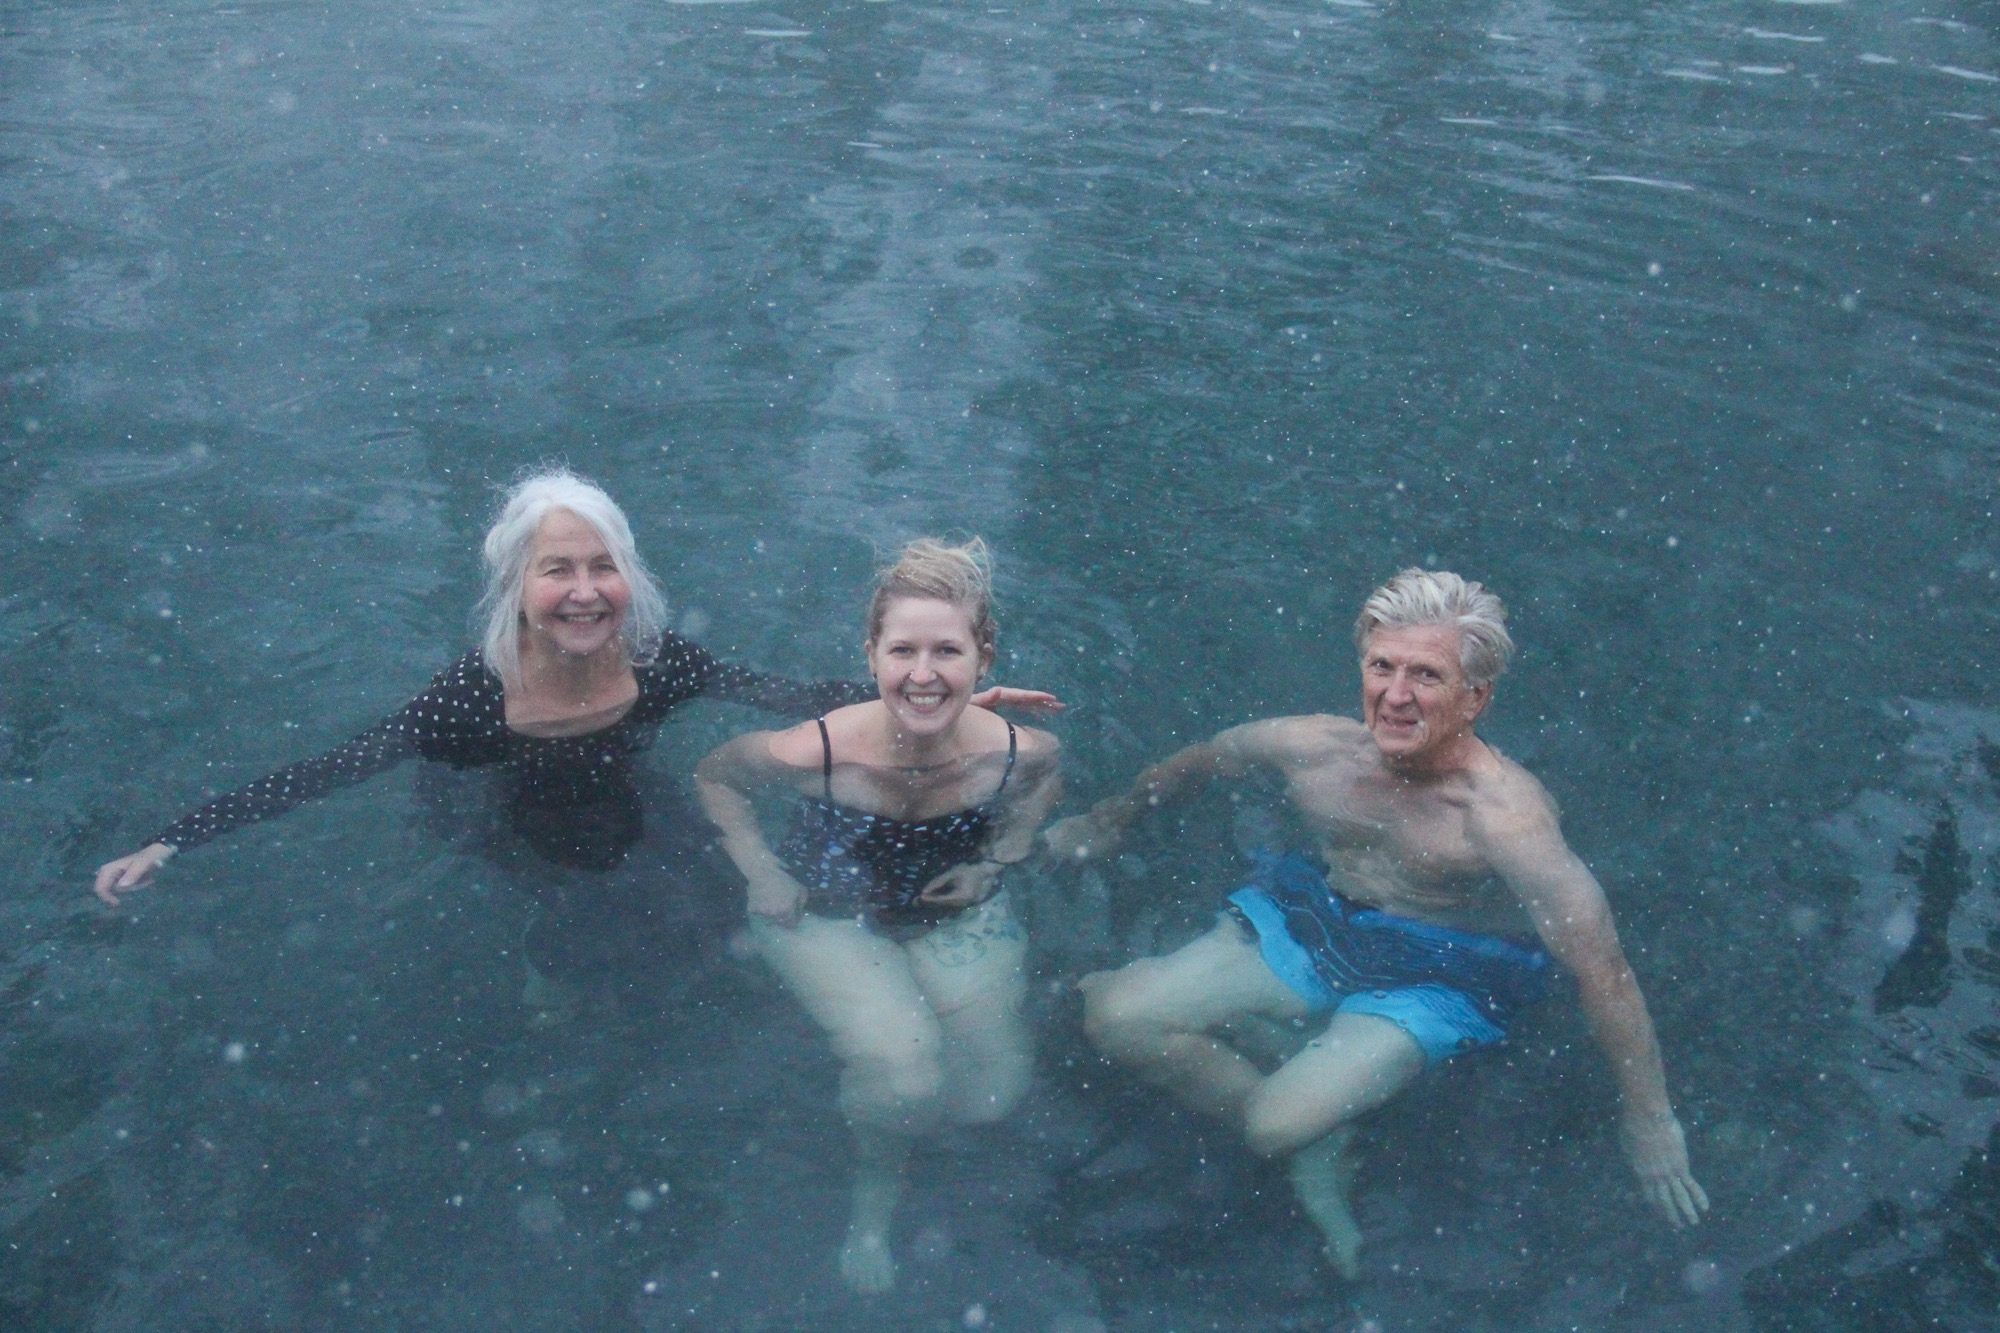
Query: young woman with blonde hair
{"points": [[884, 908]]}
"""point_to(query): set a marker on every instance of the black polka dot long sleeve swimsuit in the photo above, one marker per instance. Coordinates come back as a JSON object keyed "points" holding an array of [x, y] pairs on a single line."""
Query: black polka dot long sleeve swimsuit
{"points": [[572, 798]]}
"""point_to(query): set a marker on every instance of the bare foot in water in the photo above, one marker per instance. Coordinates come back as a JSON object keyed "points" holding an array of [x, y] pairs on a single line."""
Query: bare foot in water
{"points": [[866, 1265], [1321, 1177]]}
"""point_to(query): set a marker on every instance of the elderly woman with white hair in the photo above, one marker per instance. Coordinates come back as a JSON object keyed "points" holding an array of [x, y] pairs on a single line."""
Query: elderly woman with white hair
{"points": [[575, 674]]}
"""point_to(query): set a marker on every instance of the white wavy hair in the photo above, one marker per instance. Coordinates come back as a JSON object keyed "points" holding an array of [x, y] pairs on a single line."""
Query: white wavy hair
{"points": [[1439, 597], [511, 540]]}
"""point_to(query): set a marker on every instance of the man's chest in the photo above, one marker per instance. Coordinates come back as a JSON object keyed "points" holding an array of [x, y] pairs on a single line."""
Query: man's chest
{"points": [[1426, 832]]}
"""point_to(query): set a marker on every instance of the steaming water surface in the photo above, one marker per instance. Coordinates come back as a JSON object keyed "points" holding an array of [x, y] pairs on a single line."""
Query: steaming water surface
{"points": [[1675, 324]]}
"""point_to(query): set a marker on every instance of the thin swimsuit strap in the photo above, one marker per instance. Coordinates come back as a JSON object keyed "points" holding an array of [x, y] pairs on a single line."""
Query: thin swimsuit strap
{"points": [[826, 760], [1008, 772]]}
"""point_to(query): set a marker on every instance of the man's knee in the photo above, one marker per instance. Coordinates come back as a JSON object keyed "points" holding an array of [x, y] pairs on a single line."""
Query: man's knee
{"points": [[1356, 1065], [1119, 1016]]}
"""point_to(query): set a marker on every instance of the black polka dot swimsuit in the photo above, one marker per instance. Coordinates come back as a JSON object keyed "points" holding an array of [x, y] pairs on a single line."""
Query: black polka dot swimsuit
{"points": [[572, 798], [857, 860]]}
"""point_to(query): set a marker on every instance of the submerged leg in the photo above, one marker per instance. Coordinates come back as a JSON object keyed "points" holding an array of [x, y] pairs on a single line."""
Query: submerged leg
{"points": [[1158, 1014], [867, 1264], [1322, 1174], [858, 987], [1306, 1109], [973, 972]]}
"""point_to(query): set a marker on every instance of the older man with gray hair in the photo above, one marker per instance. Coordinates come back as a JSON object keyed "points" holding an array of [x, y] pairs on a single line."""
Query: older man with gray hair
{"points": [[1448, 888]]}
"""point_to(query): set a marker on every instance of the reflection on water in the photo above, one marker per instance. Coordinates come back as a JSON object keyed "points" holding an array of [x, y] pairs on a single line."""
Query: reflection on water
{"points": [[1674, 324]]}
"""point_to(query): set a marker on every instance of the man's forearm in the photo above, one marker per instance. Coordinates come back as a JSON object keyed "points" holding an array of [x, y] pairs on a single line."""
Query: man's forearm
{"points": [[1624, 1031], [1163, 782]]}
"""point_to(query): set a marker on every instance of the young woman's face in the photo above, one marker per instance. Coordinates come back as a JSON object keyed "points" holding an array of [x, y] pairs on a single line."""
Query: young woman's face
{"points": [[574, 601], [926, 663]]}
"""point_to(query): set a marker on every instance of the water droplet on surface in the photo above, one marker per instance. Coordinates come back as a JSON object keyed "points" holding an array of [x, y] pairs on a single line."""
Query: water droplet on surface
{"points": [[1898, 929], [501, 1099], [540, 1216], [1702, 1276]]}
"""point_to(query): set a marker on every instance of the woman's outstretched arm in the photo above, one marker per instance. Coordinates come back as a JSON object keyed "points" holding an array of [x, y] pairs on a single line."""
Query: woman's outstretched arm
{"points": [[724, 780], [459, 718]]}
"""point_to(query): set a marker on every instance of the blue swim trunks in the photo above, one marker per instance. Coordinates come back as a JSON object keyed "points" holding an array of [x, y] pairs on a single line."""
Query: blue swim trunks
{"points": [[1451, 990]]}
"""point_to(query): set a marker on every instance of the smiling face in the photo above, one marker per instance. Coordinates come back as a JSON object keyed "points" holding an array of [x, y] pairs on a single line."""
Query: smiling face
{"points": [[926, 663], [574, 599], [1414, 698]]}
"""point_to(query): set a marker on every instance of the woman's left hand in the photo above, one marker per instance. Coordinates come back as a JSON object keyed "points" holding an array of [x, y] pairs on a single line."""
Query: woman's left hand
{"points": [[1039, 702], [963, 886]]}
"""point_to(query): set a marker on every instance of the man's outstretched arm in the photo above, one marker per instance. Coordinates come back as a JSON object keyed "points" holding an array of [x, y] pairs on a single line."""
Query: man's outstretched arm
{"points": [[1230, 753], [1570, 913]]}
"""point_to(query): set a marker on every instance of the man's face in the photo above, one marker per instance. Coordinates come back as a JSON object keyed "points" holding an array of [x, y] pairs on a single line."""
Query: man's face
{"points": [[1414, 699]]}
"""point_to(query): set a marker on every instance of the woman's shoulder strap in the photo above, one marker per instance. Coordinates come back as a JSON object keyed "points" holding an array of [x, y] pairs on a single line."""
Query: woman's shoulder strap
{"points": [[1013, 749]]}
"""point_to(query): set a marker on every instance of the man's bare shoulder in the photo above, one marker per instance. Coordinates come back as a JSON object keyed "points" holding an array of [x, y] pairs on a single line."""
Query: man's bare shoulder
{"points": [[1508, 796], [1312, 738]]}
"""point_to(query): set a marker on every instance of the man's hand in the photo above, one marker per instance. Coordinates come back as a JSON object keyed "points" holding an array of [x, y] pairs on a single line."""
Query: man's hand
{"points": [[1657, 1150], [963, 886], [130, 872], [1081, 838]]}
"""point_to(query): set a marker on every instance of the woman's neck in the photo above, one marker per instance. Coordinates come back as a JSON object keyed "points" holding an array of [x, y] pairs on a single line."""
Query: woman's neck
{"points": [[557, 681], [905, 750]]}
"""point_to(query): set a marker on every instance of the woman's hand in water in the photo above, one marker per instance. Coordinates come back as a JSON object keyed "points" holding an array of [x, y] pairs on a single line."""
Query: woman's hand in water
{"points": [[130, 872], [963, 886], [1080, 838], [777, 898], [1039, 702]]}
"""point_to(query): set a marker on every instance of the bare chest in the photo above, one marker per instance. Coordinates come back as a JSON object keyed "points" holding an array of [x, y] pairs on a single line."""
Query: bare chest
{"points": [[1425, 826], [1404, 849]]}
